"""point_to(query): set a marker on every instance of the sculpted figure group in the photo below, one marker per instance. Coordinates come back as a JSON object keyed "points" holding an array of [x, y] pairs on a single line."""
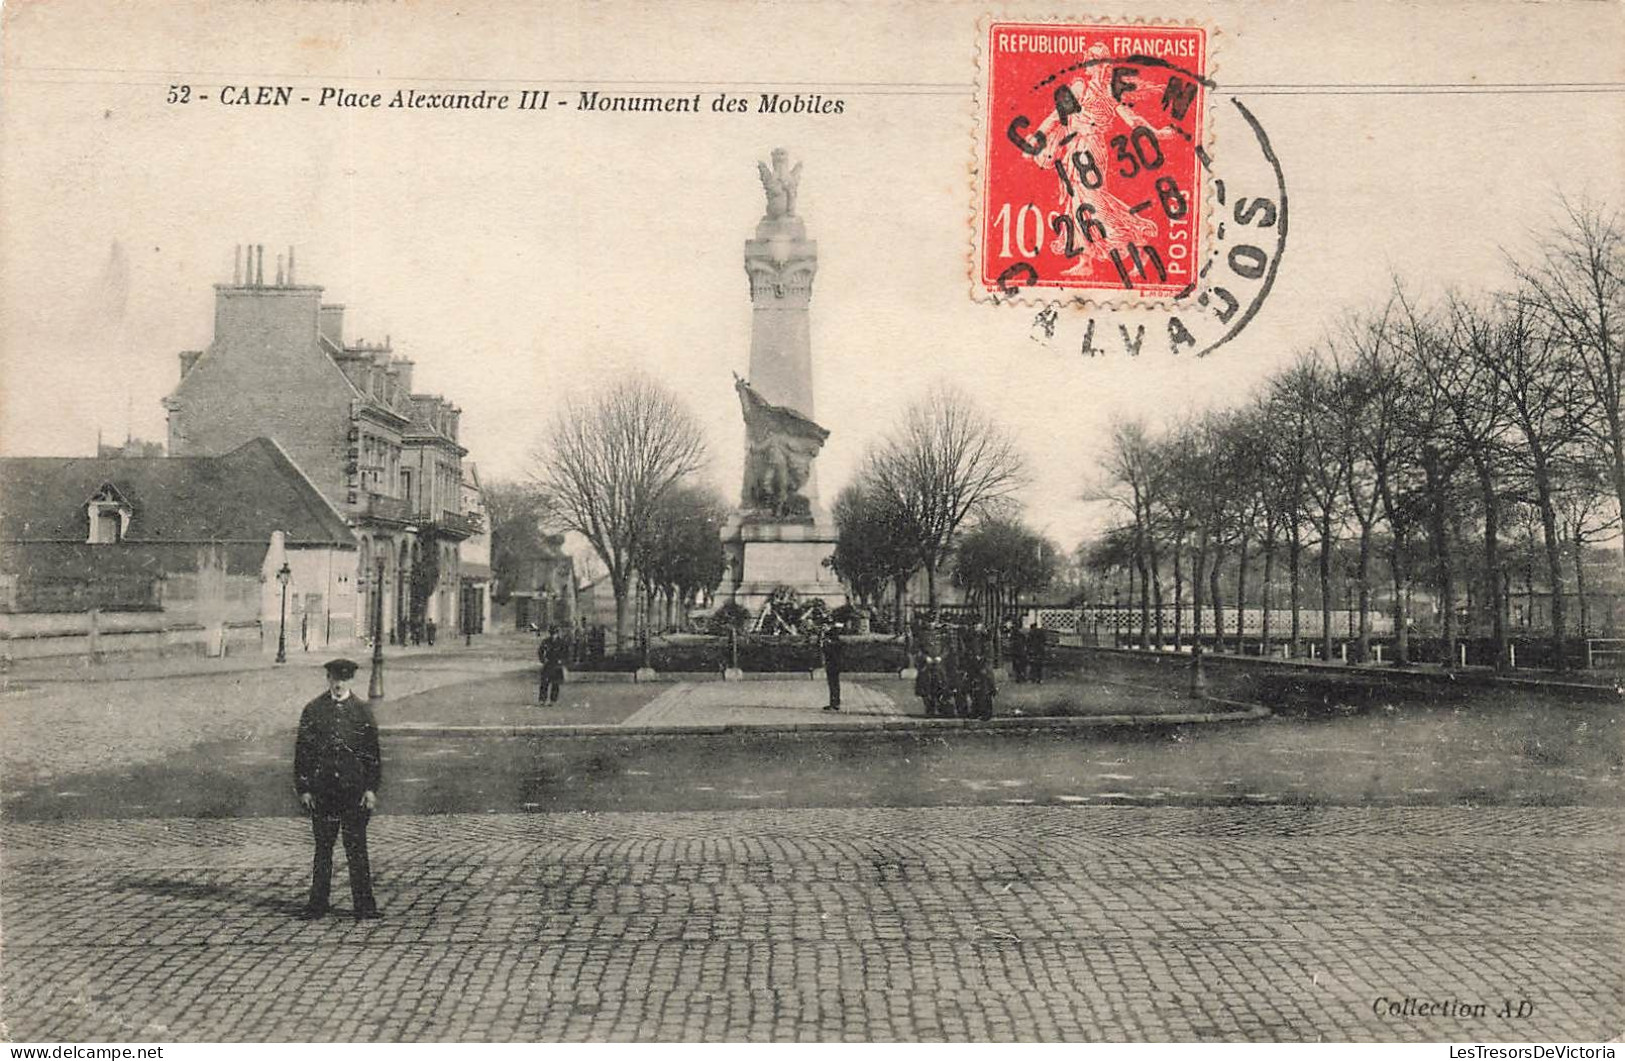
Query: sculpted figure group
{"points": [[780, 445]]}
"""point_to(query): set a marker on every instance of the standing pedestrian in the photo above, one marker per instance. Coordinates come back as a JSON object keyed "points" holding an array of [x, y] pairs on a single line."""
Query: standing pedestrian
{"points": [[550, 653], [978, 670], [931, 678], [834, 652], [1037, 652], [1017, 640], [954, 662], [336, 771], [430, 629]]}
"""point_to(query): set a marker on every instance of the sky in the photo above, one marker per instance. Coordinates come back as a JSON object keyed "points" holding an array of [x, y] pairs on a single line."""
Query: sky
{"points": [[521, 258]]}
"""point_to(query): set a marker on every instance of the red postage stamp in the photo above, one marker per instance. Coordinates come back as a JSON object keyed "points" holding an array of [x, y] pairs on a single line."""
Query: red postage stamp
{"points": [[1092, 158]]}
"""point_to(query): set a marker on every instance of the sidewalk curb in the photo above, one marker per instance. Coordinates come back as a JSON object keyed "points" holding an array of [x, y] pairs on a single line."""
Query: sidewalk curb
{"points": [[889, 723], [589, 677], [88, 676]]}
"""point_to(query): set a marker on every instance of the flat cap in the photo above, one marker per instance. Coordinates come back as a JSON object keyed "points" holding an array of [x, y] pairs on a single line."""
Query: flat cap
{"points": [[341, 668]]}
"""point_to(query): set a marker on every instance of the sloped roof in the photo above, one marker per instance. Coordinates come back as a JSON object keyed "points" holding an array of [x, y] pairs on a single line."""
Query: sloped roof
{"points": [[239, 496]]}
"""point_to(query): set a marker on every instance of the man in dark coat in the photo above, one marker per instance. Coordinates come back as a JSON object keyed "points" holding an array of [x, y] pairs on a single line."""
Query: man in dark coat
{"points": [[337, 771], [834, 654], [977, 669], [931, 677], [955, 663], [1037, 652], [1016, 639], [550, 653]]}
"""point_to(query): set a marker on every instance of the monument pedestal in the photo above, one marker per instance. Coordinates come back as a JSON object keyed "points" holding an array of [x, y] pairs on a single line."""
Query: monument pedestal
{"points": [[764, 554]]}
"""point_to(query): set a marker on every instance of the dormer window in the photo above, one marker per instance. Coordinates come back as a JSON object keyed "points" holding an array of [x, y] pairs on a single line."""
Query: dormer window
{"points": [[109, 515]]}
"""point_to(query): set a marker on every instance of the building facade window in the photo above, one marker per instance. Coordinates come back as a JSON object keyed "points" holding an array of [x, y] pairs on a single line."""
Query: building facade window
{"points": [[109, 516], [104, 527]]}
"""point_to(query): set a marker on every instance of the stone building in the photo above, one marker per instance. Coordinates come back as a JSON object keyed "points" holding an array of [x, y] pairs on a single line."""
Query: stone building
{"points": [[543, 592], [474, 552], [139, 554], [387, 458]]}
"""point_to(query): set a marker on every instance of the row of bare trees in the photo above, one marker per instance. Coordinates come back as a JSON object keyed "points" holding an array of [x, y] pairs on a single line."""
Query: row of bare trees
{"points": [[1410, 435]]}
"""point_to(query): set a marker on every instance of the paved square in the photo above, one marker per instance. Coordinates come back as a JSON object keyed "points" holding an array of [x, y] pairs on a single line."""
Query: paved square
{"points": [[1247, 923], [761, 703]]}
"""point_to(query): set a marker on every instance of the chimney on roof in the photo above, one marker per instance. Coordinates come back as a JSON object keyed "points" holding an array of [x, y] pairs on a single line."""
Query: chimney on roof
{"points": [[404, 368], [290, 265], [236, 268], [279, 273], [259, 269], [330, 322]]}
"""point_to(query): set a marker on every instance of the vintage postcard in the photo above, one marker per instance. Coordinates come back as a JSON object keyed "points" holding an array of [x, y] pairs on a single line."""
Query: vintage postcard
{"points": [[750, 520]]}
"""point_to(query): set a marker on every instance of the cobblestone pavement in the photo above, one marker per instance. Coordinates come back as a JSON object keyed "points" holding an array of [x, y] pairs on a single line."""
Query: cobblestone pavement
{"points": [[761, 703], [931, 923]]}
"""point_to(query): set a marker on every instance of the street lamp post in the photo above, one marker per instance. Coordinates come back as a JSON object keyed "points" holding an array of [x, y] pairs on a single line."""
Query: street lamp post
{"points": [[375, 685], [283, 575], [643, 616]]}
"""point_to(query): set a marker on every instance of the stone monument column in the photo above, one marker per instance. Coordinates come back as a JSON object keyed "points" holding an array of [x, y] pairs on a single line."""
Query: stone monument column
{"points": [[780, 537], [780, 262]]}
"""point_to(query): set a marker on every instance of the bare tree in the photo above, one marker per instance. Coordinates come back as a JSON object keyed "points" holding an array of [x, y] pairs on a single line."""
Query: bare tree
{"points": [[1194, 474], [606, 463], [1463, 377], [1585, 518], [1309, 388], [1579, 289], [1132, 479], [873, 551], [1248, 442], [679, 556], [1546, 404], [1390, 435], [1173, 518], [1281, 480], [946, 461], [1437, 450]]}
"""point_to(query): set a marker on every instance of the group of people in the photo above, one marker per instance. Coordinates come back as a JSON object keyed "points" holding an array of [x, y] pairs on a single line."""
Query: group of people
{"points": [[955, 671], [955, 665], [1029, 651], [581, 642]]}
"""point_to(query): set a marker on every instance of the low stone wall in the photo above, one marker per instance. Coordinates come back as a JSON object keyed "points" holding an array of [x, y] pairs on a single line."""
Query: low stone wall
{"points": [[124, 633]]}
